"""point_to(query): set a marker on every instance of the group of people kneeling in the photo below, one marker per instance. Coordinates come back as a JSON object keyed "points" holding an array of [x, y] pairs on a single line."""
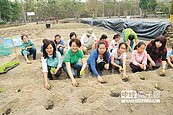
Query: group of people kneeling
{"points": [[143, 56]]}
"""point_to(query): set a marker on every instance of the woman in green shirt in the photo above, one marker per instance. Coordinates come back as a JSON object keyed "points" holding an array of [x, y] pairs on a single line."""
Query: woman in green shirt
{"points": [[71, 61], [28, 49]]}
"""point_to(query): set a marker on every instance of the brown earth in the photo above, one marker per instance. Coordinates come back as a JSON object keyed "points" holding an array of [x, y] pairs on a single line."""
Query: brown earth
{"points": [[23, 92]]}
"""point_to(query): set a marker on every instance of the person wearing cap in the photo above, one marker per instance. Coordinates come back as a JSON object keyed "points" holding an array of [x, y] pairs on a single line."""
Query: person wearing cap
{"points": [[88, 40], [130, 37]]}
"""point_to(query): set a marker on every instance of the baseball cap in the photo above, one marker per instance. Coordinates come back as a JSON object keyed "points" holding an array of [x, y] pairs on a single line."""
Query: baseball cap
{"points": [[89, 31]]}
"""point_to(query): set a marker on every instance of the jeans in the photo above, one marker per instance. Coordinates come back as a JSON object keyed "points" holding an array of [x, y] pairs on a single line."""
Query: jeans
{"points": [[118, 62], [131, 44], [76, 66], [29, 52], [56, 75]]}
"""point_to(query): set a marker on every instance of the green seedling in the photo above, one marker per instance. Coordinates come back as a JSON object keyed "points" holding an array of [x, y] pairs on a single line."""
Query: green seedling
{"points": [[8, 66], [52, 70], [142, 77], [158, 87], [1, 90]]}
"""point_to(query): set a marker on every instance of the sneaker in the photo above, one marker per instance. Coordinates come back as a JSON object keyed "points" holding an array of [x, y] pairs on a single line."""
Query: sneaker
{"points": [[90, 75], [112, 71]]}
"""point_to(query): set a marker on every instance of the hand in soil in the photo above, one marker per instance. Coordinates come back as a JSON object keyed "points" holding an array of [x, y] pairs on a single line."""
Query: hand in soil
{"points": [[100, 79], [29, 62], [74, 83], [125, 78], [47, 86]]}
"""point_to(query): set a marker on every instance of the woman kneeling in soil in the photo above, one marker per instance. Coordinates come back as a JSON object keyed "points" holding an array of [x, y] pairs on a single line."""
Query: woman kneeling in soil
{"points": [[157, 53], [99, 60], [71, 61], [51, 62], [138, 61], [118, 60]]}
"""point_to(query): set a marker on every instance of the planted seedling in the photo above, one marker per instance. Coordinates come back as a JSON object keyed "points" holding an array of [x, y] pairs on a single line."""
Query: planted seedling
{"points": [[18, 90], [158, 87], [1, 90], [142, 77]]}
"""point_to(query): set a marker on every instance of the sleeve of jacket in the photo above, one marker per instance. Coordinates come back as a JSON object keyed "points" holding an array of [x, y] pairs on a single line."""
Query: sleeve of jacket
{"points": [[92, 62]]}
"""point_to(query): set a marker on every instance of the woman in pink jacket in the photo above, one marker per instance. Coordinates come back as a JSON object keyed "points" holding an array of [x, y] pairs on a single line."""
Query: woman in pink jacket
{"points": [[138, 61]]}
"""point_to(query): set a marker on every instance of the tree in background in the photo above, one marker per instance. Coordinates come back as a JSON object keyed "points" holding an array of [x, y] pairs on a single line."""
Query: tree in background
{"points": [[152, 6], [15, 11], [171, 11], [92, 7], [147, 5], [6, 10], [9, 11], [163, 7]]}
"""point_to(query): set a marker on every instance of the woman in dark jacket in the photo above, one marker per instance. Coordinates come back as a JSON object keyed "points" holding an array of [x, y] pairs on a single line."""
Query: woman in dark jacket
{"points": [[157, 51]]}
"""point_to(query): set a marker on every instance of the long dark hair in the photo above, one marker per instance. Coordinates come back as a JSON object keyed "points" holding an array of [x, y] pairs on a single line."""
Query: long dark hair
{"points": [[72, 33], [45, 45], [116, 36], [138, 45], [162, 39], [105, 58], [122, 43]]}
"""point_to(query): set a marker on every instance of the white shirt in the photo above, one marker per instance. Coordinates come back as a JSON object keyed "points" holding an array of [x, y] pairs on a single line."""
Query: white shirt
{"points": [[113, 44], [115, 55], [85, 41]]}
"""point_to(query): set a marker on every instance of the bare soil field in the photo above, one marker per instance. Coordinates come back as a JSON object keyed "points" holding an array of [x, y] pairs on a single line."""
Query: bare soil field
{"points": [[23, 92]]}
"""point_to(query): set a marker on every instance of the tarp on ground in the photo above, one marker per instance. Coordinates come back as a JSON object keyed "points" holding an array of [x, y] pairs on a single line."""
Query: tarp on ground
{"points": [[144, 29]]}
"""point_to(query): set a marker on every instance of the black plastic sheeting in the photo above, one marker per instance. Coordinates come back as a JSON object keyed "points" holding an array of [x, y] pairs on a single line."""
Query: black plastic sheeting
{"points": [[144, 29]]}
